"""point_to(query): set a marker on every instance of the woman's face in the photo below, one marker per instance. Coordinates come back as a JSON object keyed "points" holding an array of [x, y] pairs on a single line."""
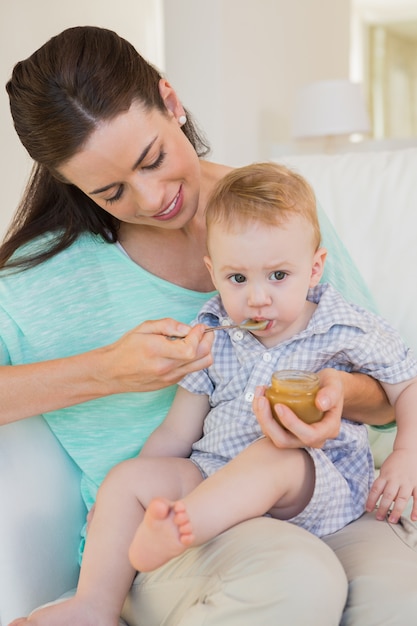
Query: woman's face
{"points": [[140, 168]]}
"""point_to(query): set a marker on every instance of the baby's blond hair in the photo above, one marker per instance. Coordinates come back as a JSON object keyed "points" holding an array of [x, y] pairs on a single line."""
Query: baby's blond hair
{"points": [[262, 192]]}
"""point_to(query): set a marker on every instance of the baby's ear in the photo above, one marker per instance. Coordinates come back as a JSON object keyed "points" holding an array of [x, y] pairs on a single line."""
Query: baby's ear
{"points": [[317, 268], [209, 266]]}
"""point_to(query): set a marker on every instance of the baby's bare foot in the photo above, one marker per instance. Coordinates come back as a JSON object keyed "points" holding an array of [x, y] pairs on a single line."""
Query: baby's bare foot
{"points": [[183, 523], [164, 533], [69, 612]]}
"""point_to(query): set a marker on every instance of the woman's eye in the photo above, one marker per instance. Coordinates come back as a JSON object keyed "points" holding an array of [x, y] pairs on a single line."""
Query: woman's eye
{"points": [[157, 162], [238, 278], [116, 196], [278, 275]]}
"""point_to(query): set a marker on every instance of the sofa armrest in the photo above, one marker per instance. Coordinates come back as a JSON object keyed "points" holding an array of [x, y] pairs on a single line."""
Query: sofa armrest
{"points": [[41, 516]]}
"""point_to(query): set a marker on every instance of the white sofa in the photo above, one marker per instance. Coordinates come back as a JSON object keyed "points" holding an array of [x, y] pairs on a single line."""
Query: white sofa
{"points": [[372, 200]]}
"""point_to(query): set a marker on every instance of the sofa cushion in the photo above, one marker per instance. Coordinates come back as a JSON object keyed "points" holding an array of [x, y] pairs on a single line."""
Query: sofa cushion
{"points": [[371, 198]]}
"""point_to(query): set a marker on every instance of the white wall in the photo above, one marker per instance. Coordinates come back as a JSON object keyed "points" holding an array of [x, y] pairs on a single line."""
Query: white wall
{"points": [[27, 24], [386, 10], [237, 65]]}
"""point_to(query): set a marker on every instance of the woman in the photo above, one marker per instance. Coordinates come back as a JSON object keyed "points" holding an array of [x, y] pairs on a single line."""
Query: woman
{"points": [[110, 233]]}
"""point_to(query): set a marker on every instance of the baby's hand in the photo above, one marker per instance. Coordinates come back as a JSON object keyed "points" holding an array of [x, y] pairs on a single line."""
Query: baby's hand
{"points": [[298, 434], [396, 484]]}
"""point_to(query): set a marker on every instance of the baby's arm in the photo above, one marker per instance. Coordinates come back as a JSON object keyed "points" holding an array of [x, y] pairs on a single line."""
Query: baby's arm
{"points": [[182, 426], [397, 480]]}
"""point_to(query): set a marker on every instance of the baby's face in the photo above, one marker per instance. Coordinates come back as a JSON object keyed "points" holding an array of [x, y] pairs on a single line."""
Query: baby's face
{"points": [[264, 272]]}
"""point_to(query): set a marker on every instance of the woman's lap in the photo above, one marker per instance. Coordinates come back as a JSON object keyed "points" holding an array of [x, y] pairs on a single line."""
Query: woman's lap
{"points": [[262, 571], [270, 572], [380, 561]]}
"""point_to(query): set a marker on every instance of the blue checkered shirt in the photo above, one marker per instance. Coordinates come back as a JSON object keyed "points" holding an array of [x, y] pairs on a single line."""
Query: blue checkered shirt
{"points": [[339, 335]]}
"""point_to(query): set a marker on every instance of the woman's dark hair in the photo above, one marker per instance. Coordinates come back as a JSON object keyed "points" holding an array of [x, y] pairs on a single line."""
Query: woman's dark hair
{"points": [[58, 96]]}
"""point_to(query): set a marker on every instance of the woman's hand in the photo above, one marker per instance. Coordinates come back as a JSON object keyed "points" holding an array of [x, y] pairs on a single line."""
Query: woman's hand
{"points": [[146, 359], [298, 434], [143, 359]]}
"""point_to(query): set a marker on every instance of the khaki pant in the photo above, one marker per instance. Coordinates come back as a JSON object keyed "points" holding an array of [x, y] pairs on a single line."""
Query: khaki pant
{"points": [[380, 561], [269, 573], [262, 572]]}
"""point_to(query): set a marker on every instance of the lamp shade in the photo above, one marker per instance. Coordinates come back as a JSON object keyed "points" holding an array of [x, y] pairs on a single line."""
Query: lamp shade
{"points": [[330, 107]]}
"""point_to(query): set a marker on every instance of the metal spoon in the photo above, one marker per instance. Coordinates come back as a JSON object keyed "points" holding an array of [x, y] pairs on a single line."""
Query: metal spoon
{"points": [[248, 324]]}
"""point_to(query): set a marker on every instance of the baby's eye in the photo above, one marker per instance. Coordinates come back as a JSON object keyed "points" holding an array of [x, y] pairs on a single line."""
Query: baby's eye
{"points": [[238, 278], [278, 275]]}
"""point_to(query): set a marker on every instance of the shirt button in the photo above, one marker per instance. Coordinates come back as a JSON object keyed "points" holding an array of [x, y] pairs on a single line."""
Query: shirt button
{"points": [[238, 335], [249, 396], [267, 357]]}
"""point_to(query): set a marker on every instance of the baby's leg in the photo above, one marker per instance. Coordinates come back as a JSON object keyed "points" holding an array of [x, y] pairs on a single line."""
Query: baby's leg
{"points": [[159, 538], [262, 478], [106, 574]]}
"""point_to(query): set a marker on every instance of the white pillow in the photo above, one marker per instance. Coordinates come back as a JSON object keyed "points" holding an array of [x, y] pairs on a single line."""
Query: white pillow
{"points": [[371, 198]]}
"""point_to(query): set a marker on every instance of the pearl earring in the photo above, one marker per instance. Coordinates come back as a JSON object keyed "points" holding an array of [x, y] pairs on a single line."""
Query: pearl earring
{"points": [[181, 120]]}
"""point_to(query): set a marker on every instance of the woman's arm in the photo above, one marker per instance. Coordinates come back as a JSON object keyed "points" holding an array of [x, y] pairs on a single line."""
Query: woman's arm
{"points": [[364, 399], [141, 360]]}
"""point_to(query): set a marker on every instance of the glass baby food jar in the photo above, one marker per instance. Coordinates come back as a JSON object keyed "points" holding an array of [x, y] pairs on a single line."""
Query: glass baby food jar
{"points": [[297, 390]]}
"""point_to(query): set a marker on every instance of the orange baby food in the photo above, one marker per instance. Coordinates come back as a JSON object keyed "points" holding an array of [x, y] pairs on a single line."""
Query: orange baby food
{"points": [[297, 390]]}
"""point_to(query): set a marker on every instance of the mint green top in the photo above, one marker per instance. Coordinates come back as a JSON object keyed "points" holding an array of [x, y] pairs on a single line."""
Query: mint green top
{"points": [[89, 295], [84, 298]]}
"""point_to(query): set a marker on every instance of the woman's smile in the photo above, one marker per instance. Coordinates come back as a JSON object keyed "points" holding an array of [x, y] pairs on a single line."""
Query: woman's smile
{"points": [[173, 208]]}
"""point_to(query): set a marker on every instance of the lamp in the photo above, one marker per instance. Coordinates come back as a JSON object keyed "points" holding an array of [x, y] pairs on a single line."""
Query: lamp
{"points": [[329, 108]]}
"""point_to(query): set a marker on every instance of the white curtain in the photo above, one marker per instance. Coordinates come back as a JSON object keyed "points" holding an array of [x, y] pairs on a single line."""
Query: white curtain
{"points": [[393, 82]]}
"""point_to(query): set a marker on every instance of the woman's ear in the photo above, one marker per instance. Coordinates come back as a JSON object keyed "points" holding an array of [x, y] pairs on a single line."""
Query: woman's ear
{"points": [[209, 266], [317, 268], [171, 100]]}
